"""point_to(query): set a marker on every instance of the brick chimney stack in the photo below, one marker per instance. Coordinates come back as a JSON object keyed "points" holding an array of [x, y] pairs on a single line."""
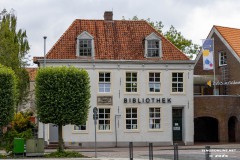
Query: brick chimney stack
{"points": [[108, 15]]}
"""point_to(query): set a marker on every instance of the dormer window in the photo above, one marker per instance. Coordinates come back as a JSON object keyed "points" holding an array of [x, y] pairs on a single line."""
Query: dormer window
{"points": [[85, 45], [153, 46]]}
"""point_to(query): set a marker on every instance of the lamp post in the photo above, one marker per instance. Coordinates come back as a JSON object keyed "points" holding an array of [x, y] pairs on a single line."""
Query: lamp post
{"points": [[44, 63]]}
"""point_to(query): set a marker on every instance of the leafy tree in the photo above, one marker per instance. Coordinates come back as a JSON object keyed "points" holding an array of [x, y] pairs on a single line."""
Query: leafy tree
{"points": [[13, 50], [185, 45], [62, 97], [8, 94], [175, 37]]}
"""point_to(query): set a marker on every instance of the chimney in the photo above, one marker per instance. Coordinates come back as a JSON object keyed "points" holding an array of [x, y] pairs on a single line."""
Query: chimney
{"points": [[108, 15]]}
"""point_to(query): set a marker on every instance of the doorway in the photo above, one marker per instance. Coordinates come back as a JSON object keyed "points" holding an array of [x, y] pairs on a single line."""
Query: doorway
{"points": [[205, 129], [177, 125], [53, 133]]}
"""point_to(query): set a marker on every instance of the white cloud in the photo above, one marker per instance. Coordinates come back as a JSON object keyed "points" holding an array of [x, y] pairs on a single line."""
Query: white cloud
{"points": [[52, 17]]}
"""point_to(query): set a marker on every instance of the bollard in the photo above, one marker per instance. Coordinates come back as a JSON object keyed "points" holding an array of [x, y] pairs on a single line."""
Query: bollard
{"points": [[175, 151], [207, 153], [150, 151], [131, 150]]}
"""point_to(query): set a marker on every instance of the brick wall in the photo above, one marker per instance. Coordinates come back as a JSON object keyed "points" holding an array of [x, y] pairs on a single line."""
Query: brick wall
{"points": [[232, 64], [221, 108]]}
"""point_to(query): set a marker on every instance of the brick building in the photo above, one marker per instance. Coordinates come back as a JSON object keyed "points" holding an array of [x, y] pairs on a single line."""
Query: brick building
{"points": [[141, 84], [216, 117]]}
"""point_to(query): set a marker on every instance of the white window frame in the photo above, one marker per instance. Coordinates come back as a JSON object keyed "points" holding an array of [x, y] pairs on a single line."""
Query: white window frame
{"points": [[222, 58], [133, 126], [85, 36], [153, 116], [153, 37], [132, 82], [104, 82], [79, 126], [105, 126], [154, 82], [74, 130], [177, 82]]}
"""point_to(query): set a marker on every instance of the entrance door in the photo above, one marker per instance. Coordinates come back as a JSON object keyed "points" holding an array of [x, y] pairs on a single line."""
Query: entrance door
{"points": [[177, 124], [53, 130]]}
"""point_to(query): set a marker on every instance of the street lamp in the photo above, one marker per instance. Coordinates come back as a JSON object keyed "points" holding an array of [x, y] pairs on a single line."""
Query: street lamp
{"points": [[44, 63]]}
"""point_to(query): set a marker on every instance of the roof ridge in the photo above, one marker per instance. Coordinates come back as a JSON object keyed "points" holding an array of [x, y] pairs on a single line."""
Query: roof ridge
{"points": [[216, 26]]}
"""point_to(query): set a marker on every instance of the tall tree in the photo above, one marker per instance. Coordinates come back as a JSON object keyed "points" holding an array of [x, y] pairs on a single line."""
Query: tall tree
{"points": [[8, 93], [62, 97], [13, 49]]}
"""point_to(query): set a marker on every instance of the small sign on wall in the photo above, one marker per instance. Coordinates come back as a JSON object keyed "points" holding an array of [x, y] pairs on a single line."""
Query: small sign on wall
{"points": [[104, 100]]}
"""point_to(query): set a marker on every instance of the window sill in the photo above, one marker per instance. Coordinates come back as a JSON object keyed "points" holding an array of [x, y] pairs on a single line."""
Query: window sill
{"points": [[178, 93], [222, 65], [132, 131], [155, 130], [79, 132], [131, 93], [104, 131], [154, 93]]}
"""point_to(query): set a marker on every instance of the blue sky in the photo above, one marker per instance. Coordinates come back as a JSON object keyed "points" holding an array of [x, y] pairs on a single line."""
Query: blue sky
{"points": [[193, 18]]}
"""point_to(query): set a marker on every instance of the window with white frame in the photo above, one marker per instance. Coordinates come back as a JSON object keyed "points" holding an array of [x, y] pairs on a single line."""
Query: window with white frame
{"points": [[104, 82], [153, 46], [222, 58], [80, 127], [131, 81], [85, 45], [177, 82], [154, 82], [154, 118], [104, 119], [131, 118]]}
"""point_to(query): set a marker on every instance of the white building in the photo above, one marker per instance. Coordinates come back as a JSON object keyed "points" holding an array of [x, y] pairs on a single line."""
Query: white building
{"points": [[141, 84]]}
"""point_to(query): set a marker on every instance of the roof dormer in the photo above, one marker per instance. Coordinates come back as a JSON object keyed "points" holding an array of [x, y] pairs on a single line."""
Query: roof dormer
{"points": [[153, 46], [85, 45]]}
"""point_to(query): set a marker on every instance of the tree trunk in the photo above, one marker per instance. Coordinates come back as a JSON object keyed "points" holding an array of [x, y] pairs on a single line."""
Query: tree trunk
{"points": [[60, 139]]}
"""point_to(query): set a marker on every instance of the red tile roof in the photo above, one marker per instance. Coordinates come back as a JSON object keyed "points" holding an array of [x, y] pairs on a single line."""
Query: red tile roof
{"points": [[113, 40], [232, 36]]}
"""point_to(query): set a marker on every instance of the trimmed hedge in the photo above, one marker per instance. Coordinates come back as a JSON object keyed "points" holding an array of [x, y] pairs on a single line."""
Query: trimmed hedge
{"points": [[8, 95]]}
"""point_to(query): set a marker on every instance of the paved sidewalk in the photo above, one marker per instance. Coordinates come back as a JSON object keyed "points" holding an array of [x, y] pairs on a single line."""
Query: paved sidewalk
{"points": [[195, 152]]}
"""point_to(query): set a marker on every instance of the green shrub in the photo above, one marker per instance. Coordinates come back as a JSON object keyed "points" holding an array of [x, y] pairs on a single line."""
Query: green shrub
{"points": [[64, 154], [11, 134], [2, 156], [21, 127]]}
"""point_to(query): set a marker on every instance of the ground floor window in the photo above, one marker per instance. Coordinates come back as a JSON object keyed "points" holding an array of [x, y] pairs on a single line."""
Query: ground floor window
{"points": [[131, 118], [104, 119], [154, 118], [80, 127]]}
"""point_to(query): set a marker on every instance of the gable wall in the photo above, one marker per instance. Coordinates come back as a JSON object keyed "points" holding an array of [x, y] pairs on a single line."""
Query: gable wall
{"points": [[232, 64]]}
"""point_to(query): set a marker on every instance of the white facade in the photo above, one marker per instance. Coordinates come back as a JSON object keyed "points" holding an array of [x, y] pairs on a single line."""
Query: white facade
{"points": [[118, 100]]}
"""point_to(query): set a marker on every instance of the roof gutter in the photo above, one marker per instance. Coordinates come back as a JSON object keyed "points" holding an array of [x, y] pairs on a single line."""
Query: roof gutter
{"points": [[117, 61]]}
